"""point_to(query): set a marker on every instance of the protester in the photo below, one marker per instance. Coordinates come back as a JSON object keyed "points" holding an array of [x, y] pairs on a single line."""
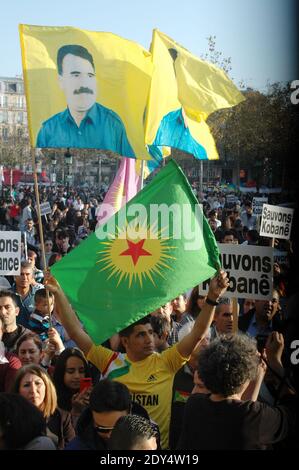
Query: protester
{"points": [[22, 425], [29, 349], [70, 367], [9, 312], [153, 388], [222, 420], [34, 384], [108, 402], [133, 432], [9, 364]]}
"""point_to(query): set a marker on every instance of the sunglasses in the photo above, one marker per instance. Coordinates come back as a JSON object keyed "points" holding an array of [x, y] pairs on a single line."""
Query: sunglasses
{"points": [[103, 429]]}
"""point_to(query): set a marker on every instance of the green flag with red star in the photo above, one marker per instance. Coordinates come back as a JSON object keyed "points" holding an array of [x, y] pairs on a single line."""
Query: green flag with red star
{"points": [[156, 247]]}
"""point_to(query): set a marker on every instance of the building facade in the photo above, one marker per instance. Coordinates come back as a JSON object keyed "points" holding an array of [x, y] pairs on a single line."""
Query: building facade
{"points": [[14, 143], [13, 114]]}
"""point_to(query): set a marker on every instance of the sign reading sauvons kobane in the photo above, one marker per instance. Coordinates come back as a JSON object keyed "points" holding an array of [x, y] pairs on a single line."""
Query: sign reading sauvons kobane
{"points": [[249, 269], [10, 253], [276, 222]]}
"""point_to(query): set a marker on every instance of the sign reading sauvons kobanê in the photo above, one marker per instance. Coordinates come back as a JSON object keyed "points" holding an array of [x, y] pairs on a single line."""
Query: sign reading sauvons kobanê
{"points": [[276, 222], [249, 269], [10, 253]]}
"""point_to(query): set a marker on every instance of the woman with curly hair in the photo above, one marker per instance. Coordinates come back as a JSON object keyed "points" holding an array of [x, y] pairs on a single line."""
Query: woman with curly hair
{"points": [[223, 419], [34, 384]]}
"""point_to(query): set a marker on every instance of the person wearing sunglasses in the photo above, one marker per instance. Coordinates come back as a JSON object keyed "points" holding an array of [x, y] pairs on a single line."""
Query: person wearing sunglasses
{"points": [[109, 401]]}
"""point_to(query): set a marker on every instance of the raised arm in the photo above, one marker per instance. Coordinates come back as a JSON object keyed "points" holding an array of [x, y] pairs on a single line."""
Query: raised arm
{"points": [[218, 286], [67, 315]]}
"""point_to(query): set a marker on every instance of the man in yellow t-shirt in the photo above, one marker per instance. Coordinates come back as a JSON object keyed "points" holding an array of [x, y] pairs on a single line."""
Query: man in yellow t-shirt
{"points": [[147, 374]]}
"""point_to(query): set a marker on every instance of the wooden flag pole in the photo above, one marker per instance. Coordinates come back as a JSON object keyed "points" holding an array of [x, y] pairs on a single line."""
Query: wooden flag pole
{"points": [[235, 314], [141, 176], [40, 226]]}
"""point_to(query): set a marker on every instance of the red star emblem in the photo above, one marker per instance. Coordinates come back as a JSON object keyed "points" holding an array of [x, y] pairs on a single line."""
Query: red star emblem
{"points": [[135, 250]]}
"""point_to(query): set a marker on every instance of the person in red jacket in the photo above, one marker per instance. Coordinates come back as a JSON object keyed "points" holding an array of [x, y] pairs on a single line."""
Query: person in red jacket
{"points": [[9, 364]]}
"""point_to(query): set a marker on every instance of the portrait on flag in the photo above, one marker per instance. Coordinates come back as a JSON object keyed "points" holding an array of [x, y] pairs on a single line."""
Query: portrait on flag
{"points": [[81, 89], [193, 90], [84, 123]]}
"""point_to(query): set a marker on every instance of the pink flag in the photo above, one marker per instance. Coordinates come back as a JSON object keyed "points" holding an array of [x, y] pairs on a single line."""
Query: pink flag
{"points": [[123, 188]]}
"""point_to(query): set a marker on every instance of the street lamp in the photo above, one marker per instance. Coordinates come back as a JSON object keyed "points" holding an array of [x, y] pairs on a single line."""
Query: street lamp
{"points": [[68, 158]]}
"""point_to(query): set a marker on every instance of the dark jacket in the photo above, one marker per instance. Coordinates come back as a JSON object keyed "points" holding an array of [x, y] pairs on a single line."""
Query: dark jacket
{"points": [[245, 320], [235, 425], [10, 339], [60, 428], [181, 390], [87, 438]]}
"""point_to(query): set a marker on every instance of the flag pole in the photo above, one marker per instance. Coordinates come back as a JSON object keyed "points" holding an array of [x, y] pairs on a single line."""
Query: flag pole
{"points": [[40, 225], [141, 176], [201, 176]]}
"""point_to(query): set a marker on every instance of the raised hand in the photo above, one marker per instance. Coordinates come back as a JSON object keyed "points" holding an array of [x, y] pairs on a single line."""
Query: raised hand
{"points": [[218, 285]]}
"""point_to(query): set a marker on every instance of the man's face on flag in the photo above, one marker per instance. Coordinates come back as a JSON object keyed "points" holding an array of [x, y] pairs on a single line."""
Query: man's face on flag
{"points": [[78, 82]]}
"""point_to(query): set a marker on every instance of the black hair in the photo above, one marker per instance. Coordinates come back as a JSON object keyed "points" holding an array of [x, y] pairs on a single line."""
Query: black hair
{"points": [[64, 394], [20, 421], [228, 233], [129, 330], [160, 325], [73, 49], [227, 363], [11, 295], [42, 294], [129, 432], [192, 307], [110, 395]]}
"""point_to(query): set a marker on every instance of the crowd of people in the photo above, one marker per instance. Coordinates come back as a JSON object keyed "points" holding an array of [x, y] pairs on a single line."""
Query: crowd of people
{"points": [[200, 372]]}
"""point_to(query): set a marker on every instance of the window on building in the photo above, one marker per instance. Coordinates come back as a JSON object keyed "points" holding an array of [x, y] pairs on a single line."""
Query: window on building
{"points": [[20, 102], [4, 101], [4, 116], [5, 133], [20, 132], [11, 87], [19, 117]]}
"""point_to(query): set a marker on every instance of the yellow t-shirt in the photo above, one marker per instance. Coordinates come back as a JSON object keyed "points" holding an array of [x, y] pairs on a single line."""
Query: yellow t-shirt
{"points": [[149, 381]]}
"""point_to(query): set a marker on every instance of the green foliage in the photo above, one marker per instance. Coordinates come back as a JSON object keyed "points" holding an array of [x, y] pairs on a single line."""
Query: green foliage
{"points": [[259, 133]]}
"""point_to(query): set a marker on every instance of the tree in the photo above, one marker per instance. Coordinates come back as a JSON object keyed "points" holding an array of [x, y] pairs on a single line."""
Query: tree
{"points": [[256, 133]]}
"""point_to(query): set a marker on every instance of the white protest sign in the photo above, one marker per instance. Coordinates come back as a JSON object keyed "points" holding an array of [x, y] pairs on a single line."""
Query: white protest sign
{"points": [[249, 269], [281, 257], [257, 204], [45, 208], [231, 199], [10, 253], [276, 222]]}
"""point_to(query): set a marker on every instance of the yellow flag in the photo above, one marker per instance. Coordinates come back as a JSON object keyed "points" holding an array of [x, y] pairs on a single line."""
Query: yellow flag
{"points": [[185, 90], [95, 98]]}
